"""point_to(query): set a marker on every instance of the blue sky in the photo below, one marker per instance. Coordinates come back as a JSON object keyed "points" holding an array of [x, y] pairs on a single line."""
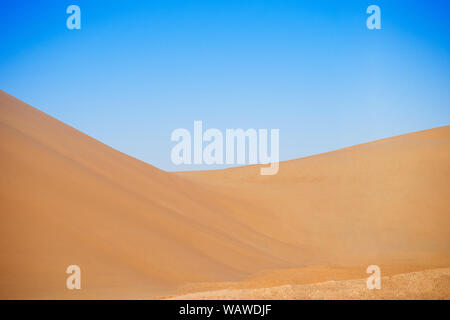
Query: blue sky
{"points": [[137, 70]]}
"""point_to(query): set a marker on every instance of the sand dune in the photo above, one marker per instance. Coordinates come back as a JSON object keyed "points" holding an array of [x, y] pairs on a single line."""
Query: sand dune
{"points": [[139, 232], [387, 196]]}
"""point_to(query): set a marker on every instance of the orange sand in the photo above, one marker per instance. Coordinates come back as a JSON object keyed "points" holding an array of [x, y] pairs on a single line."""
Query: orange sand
{"points": [[139, 232]]}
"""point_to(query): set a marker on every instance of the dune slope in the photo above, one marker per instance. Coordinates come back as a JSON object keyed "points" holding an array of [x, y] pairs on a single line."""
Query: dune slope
{"points": [[139, 232], [134, 230], [380, 201]]}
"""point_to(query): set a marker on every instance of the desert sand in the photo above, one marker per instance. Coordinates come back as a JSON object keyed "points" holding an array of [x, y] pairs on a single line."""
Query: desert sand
{"points": [[138, 232], [424, 285]]}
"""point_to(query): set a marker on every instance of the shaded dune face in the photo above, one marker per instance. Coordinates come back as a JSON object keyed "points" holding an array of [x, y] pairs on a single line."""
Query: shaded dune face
{"points": [[134, 230], [139, 232]]}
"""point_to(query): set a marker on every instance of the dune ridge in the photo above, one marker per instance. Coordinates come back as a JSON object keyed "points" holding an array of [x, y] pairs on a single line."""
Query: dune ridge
{"points": [[139, 232]]}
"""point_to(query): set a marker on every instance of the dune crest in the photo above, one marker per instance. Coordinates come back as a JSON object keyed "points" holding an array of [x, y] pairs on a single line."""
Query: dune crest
{"points": [[139, 232]]}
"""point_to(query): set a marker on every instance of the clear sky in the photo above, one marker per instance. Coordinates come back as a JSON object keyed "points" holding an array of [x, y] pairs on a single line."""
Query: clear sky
{"points": [[137, 70]]}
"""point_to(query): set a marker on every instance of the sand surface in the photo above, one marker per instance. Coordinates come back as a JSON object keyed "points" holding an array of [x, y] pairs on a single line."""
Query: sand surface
{"points": [[424, 285], [139, 232]]}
